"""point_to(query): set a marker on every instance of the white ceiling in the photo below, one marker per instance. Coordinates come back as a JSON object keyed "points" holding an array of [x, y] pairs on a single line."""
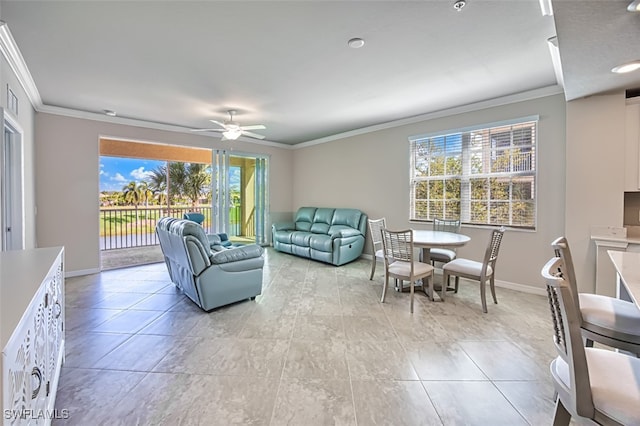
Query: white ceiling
{"points": [[286, 64]]}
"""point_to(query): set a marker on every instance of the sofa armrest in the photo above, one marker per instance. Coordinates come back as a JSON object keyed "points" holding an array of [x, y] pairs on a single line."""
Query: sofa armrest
{"points": [[346, 233], [283, 226], [236, 254]]}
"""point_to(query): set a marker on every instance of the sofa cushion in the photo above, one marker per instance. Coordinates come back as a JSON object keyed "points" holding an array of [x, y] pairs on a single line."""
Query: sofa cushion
{"points": [[304, 218], [301, 239], [236, 254], [323, 215], [320, 228], [321, 242], [349, 217]]}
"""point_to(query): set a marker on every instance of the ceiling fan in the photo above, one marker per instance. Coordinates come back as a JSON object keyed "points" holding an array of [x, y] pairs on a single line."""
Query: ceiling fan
{"points": [[232, 130]]}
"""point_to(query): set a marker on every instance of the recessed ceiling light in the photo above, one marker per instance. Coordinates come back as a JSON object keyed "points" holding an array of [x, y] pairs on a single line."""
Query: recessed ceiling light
{"points": [[628, 67], [634, 6], [110, 113], [356, 43], [458, 5]]}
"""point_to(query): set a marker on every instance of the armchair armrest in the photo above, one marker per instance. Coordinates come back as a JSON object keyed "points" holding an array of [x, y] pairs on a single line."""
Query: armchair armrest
{"points": [[283, 226], [236, 254], [342, 233]]}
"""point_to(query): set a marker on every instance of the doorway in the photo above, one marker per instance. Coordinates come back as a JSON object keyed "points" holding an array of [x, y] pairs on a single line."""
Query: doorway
{"points": [[11, 188]]}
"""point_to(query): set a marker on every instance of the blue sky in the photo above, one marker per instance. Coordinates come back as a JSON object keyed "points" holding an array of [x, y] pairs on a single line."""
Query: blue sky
{"points": [[117, 172]]}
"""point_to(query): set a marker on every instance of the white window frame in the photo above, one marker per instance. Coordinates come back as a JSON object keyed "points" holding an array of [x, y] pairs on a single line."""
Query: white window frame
{"points": [[465, 173]]}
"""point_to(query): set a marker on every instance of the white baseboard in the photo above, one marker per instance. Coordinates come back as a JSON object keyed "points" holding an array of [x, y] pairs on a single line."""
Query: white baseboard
{"points": [[81, 272], [521, 287]]}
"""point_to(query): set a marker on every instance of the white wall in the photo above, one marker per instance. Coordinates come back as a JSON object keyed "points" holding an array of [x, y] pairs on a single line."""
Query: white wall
{"points": [[25, 119], [67, 167], [595, 170], [371, 172]]}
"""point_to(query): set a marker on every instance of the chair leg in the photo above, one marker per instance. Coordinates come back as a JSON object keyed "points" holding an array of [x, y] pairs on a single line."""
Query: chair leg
{"points": [[432, 290], [561, 416], [457, 282], [493, 290], [411, 287], [445, 282], [373, 267], [384, 287], [483, 295]]}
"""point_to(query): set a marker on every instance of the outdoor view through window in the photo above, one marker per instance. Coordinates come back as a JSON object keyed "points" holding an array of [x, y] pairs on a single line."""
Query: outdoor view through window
{"points": [[135, 193], [484, 176]]}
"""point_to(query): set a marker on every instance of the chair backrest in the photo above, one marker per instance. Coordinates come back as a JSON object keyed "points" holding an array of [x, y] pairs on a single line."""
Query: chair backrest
{"points": [[491, 254], [565, 268], [568, 342], [375, 229], [194, 217], [398, 245], [446, 225]]}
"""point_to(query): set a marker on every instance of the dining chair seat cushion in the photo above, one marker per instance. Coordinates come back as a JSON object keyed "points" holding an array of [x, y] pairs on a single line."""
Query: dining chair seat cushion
{"points": [[611, 315], [466, 267], [380, 254], [442, 255], [402, 268], [618, 399]]}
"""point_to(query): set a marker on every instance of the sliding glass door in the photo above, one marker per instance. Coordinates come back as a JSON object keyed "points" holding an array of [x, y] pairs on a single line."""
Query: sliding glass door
{"points": [[240, 196]]}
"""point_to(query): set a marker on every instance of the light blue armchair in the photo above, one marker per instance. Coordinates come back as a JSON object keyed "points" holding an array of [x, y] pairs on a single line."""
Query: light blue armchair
{"points": [[208, 277]]}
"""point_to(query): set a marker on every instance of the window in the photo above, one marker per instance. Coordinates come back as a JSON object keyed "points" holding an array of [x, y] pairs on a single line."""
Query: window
{"points": [[484, 176]]}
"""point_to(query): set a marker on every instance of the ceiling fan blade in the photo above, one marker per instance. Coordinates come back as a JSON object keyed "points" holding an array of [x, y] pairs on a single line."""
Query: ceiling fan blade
{"points": [[218, 123], [253, 127], [253, 135], [207, 130]]}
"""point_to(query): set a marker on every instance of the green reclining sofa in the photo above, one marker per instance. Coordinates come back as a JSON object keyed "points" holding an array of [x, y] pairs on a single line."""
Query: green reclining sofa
{"points": [[334, 236]]}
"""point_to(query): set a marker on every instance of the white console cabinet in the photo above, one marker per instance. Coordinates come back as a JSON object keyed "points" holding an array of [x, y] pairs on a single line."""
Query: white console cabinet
{"points": [[32, 334]]}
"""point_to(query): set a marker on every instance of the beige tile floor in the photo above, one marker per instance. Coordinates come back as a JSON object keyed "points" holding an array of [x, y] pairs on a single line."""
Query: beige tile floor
{"points": [[316, 348]]}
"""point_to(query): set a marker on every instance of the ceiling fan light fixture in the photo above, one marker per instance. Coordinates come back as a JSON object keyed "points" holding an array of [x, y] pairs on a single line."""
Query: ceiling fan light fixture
{"points": [[232, 134], [625, 68]]}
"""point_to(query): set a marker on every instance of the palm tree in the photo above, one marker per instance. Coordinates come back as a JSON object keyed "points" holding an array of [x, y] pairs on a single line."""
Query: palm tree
{"points": [[157, 181], [145, 192], [132, 195], [197, 180]]}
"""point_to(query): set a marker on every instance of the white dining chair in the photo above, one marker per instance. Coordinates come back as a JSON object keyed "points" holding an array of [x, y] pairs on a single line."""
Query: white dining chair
{"points": [[400, 264], [606, 320], [594, 384], [478, 271], [375, 229], [444, 255]]}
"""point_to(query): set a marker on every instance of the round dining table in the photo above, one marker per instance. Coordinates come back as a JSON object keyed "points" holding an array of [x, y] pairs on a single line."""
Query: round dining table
{"points": [[427, 239]]}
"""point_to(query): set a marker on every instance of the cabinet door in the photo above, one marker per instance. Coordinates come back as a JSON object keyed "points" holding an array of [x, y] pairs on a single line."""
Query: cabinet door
{"points": [[25, 367], [55, 318]]}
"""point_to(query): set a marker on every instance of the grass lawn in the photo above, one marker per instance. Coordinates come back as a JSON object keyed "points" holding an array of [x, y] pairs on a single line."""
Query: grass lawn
{"points": [[128, 220]]}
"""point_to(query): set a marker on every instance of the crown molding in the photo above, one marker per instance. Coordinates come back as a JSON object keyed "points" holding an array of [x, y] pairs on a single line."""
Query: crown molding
{"points": [[476, 106], [10, 50], [74, 113]]}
